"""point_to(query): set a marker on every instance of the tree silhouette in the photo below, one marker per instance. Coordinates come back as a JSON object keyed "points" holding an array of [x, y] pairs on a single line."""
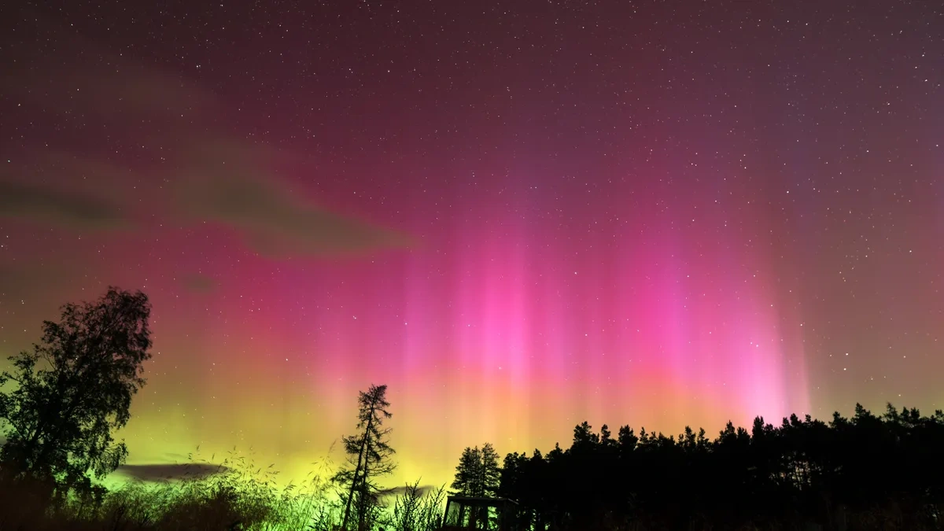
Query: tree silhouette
{"points": [[866, 472], [478, 472], [72, 390], [369, 456], [490, 471], [466, 482]]}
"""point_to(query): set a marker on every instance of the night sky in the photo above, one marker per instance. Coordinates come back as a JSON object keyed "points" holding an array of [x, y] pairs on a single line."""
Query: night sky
{"points": [[517, 215]]}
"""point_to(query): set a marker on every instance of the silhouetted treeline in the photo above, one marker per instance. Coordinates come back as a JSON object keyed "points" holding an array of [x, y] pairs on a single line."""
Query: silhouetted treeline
{"points": [[867, 472]]}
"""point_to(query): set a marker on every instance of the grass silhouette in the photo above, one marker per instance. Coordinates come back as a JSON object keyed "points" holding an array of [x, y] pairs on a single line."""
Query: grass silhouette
{"points": [[240, 495]]}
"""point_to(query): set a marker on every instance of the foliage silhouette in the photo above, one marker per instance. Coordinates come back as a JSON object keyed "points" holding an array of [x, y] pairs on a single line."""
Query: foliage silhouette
{"points": [[414, 510], [242, 496], [71, 391]]}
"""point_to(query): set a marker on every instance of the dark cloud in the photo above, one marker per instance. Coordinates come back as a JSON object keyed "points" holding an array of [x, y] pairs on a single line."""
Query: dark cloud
{"points": [[199, 283], [49, 205], [218, 182], [230, 188], [171, 471], [62, 189]]}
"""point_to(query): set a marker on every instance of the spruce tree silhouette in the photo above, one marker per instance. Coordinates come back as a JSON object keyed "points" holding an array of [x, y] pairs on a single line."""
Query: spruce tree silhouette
{"points": [[369, 456], [466, 482], [478, 474], [490, 471]]}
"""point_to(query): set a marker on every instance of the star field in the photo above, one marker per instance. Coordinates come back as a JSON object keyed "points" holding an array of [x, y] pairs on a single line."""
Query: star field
{"points": [[518, 215]]}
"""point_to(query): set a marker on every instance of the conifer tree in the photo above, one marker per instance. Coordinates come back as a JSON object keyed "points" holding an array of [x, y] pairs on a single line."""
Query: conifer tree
{"points": [[468, 472], [478, 472], [369, 456]]}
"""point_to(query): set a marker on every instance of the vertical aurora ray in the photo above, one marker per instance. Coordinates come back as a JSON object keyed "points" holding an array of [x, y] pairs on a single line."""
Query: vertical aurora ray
{"points": [[498, 328]]}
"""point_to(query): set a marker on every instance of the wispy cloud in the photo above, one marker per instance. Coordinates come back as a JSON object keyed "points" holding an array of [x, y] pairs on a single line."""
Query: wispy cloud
{"points": [[48, 205], [194, 171], [272, 219]]}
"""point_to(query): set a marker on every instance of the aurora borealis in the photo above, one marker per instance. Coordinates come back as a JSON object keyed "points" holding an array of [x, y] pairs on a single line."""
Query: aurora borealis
{"points": [[518, 216]]}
